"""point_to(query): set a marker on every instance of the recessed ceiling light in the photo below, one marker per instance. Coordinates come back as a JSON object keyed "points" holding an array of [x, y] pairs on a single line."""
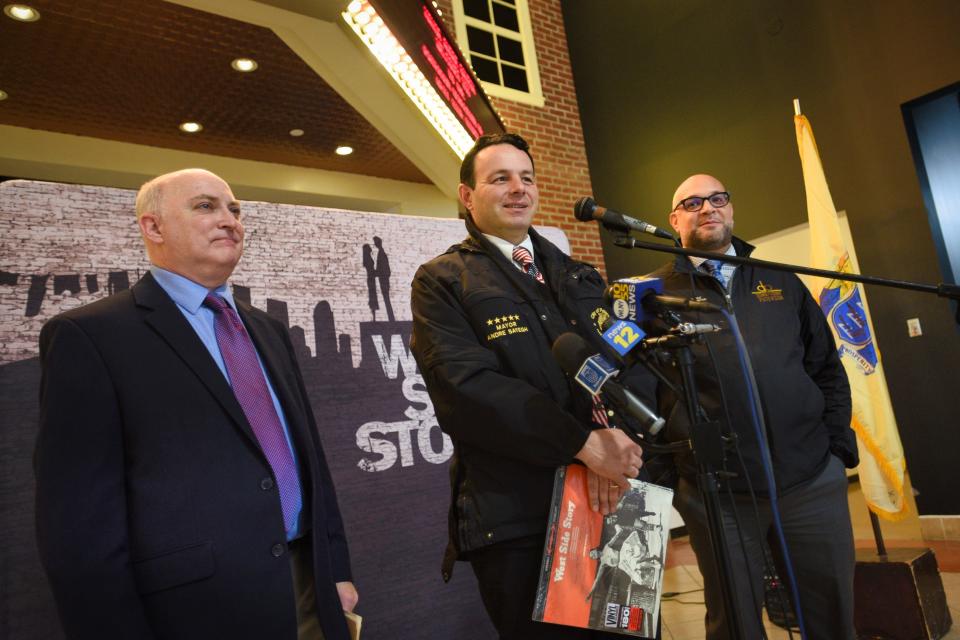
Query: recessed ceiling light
{"points": [[191, 127], [22, 12], [296, 133], [244, 65], [3, 94], [344, 150]]}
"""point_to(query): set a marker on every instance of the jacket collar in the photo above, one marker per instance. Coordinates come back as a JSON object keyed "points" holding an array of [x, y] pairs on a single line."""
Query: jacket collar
{"points": [[743, 249], [544, 250]]}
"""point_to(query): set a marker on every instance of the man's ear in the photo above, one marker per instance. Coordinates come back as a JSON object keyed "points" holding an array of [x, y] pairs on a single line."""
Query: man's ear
{"points": [[149, 224], [466, 196], [673, 220]]}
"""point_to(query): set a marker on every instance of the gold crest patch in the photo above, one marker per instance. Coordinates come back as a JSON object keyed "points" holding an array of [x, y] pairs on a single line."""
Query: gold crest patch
{"points": [[505, 325], [767, 293], [599, 317]]}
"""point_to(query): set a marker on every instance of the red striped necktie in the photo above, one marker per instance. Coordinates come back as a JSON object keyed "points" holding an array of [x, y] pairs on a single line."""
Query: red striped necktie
{"points": [[522, 257]]}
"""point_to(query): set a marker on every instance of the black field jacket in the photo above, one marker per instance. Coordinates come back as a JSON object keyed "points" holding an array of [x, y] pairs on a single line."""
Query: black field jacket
{"points": [[803, 388], [482, 332]]}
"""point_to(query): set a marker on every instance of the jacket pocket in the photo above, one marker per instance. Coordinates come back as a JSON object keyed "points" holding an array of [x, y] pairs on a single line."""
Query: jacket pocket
{"points": [[174, 568]]}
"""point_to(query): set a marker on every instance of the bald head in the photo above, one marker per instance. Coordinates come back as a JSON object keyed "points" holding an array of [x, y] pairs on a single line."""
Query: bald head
{"points": [[190, 222], [150, 195], [711, 227], [696, 185]]}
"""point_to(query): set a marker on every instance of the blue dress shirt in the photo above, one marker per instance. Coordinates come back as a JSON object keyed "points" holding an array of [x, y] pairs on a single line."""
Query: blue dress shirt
{"points": [[189, 296]]}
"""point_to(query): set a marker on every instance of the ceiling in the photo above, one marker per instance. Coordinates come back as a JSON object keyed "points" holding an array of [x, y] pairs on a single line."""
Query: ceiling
{"points": [[133, 70]]}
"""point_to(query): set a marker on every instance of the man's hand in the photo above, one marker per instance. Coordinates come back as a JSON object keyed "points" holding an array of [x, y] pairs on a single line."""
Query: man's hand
{"points": [[603, 494], [612, 457], [348, 595]]}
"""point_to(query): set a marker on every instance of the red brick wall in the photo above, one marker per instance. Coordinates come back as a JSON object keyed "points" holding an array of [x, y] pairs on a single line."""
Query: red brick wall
{"points": [[553, 130]]}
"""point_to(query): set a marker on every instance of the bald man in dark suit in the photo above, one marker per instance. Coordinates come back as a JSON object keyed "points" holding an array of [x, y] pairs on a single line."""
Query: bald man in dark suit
{"points": [[182, 490]]}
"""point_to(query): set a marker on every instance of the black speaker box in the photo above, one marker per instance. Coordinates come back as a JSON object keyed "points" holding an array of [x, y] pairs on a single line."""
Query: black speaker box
{"points": [[899, 596]]}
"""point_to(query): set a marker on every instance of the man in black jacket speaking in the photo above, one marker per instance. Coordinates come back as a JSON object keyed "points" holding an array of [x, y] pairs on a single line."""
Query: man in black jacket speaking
{"points": [[805, 403], [485, 314]]}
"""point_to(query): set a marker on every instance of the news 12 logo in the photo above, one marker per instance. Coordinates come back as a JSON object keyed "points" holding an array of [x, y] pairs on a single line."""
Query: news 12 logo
{"points": [[623, 336]]}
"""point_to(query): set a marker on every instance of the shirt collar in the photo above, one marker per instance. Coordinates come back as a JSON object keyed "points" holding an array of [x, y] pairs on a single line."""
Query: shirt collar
{"points": [[185, 292], [697, 261], [506, 248]]}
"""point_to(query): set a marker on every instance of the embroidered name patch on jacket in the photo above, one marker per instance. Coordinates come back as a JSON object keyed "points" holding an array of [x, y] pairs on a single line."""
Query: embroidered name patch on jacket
{"points": [[766, 293], [505, 325]]}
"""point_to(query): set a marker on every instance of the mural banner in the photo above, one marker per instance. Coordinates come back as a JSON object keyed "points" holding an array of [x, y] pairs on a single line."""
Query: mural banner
{"points": [[341, 281]]}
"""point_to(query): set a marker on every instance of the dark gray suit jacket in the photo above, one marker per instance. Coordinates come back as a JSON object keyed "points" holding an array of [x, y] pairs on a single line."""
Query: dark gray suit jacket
{"points": [[157, 513]]}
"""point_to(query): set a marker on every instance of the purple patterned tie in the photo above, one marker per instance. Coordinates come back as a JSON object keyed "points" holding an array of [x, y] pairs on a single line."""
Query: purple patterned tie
{"points": [[522, 257], [250, 388]]}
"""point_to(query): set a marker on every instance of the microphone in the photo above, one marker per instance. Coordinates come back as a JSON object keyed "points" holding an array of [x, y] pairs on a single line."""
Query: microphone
{"points": [[587, 209], [595, 374], [635, 298]]}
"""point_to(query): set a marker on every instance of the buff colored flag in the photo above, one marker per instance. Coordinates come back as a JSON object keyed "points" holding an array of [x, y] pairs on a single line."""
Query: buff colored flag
{"points": [[844, 304]]}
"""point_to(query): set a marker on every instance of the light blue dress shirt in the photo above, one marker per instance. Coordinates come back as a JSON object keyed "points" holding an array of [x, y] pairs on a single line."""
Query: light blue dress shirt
{"points": [[727, 268], [189, 296]]}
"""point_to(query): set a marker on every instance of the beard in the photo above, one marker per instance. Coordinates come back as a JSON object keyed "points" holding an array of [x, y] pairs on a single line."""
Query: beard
{"points": [[710, 240]]}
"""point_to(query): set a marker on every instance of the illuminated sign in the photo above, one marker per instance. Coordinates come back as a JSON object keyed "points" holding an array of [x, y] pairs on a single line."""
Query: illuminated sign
{"points": [[409, 40]]}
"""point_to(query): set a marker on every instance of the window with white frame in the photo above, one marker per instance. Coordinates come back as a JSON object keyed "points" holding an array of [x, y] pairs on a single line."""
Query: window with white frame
{"points": [[497, 40]]}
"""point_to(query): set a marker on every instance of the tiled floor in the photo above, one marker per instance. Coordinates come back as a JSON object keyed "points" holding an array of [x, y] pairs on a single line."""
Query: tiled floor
{"points": [[682, 616]]}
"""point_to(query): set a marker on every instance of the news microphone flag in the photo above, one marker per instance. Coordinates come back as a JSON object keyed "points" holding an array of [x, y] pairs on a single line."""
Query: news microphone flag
{"points": [[594, 372], [882, 464], [623, 336], [625, 296]]}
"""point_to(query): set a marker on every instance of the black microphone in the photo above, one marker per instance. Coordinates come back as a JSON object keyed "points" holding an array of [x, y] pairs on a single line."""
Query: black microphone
{"points": [[587, 209], [682, 304], [595, 374]]}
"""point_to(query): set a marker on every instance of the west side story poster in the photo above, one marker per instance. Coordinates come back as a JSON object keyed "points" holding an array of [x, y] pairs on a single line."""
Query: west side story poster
{"points": [[604, 572]]}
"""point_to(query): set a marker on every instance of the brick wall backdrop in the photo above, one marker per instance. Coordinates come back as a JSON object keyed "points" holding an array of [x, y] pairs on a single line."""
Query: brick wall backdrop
{"points": [[553, 130], [62, 246]]}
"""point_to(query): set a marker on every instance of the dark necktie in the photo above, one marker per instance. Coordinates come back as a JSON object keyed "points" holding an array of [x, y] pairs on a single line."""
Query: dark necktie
{"points": [[713, 267], [250, 388], [522, 257]]}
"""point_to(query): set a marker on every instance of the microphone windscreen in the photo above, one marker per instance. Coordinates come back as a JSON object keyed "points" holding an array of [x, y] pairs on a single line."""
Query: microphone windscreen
{"points": [[583, 208], [570, 351]]}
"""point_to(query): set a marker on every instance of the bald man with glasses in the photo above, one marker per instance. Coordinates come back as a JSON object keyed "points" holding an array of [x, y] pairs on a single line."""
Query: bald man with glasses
{"points": [[805, 402]]}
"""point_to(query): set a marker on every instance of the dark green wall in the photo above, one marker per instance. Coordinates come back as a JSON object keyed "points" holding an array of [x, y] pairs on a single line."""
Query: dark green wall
{"points": [[668, 88]]}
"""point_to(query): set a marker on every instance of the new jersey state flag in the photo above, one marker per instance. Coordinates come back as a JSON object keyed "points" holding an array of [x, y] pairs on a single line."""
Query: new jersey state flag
{"points": [[845, 306]]}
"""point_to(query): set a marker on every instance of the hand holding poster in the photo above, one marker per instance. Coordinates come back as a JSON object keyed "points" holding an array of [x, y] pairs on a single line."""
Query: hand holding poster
{"points": [[604, 572]]}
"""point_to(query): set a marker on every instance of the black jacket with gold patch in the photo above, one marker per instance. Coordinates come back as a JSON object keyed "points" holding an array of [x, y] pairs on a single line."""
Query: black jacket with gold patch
{"points": [[803, 388], [482, 332]]}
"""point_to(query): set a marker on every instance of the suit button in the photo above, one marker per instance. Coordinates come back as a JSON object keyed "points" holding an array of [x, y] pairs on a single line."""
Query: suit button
{"points": [[266, 484], [277, 550], [543, 317]]}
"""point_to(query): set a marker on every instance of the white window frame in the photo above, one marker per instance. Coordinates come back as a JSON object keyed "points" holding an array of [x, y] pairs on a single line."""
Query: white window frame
{"points": [[534, 96]]}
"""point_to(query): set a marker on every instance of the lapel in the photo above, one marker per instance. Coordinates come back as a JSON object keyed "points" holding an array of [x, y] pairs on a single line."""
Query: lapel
{"points": [[163, 316]]}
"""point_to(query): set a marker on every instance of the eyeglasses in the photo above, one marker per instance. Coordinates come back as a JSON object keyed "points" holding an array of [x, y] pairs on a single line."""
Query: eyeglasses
{"points": [[695, 203]]}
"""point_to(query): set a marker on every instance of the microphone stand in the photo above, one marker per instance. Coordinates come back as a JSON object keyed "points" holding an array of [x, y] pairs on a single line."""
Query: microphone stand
{"points": [[708, 448], [708, 480], [943, 290], [709, 452]]}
